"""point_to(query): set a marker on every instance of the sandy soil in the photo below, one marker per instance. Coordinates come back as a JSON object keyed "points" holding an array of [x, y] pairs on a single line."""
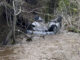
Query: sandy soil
{"points": [[65, 46]]}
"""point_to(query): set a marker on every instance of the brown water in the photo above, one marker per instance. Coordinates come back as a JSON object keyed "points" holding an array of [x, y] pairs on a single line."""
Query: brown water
{"points": [[58, 47]]}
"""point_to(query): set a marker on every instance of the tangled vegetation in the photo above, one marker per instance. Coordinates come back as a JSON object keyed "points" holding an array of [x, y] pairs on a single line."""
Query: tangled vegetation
{"points": [[69, 9], [49, 9]]}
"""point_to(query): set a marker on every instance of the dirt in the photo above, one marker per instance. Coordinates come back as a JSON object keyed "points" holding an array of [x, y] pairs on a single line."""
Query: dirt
{"points": [[64, 46]]}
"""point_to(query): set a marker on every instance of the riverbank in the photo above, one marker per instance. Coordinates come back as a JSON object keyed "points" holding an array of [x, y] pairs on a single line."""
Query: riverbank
{"points": [[64, 46]]}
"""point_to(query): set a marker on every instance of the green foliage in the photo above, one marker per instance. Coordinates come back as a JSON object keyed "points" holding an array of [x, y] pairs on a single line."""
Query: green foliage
{"points": [[74, 8], [46, 18], [12, 42], [51, 5], [73, 29], [63, 4], [70, 8]]}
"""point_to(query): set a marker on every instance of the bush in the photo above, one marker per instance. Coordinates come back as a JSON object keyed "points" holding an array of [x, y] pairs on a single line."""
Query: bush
{"points": [[73, 29]]}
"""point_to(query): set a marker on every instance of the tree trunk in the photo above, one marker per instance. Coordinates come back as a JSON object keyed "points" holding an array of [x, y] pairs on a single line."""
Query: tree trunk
{"points": [[14, 27]]}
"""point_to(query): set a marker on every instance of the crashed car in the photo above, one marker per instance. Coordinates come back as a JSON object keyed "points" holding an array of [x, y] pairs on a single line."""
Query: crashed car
{"points": [[40, 28]]}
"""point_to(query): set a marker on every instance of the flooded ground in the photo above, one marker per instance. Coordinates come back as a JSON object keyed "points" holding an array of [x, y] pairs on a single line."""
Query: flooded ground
{"points": [[65, 46]]}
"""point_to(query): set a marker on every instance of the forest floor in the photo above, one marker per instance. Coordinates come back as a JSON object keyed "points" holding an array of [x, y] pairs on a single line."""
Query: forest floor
{"points": [[64, 46]]}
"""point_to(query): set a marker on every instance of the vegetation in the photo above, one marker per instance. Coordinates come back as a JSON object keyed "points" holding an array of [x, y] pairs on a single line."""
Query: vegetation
{"points": [[73, 29], [32, 2], [49, 9]]}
